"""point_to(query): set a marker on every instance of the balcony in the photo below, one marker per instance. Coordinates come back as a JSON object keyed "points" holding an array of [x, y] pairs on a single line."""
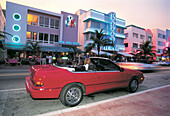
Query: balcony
{"points": [[120, 35]]}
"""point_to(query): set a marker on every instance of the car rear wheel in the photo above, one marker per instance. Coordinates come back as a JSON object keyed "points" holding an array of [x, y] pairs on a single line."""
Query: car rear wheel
{"points": [[133, 86], [71, 95]]}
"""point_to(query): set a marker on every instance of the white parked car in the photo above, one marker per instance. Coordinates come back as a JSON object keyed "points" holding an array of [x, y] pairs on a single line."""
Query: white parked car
{"points": [[137, 66], [161, 63]]}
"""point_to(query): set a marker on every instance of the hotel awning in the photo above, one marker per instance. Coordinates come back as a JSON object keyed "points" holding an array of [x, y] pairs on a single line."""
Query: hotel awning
{"points": [[55, 49], [125, 54]]}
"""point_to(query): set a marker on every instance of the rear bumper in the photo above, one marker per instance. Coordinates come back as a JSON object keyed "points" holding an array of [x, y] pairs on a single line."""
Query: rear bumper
{"points": [[41, 92]]}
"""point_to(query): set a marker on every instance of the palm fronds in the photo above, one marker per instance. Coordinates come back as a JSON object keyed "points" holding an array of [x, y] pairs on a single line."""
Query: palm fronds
{"points": [[98, 41]]}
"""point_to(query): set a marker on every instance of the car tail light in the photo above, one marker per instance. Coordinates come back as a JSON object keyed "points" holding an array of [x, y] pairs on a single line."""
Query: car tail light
{"points": [[38, 82]]}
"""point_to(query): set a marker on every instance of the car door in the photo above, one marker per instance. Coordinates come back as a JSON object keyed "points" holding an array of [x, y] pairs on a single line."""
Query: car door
{"points": [[109, 75], [87, 78]]}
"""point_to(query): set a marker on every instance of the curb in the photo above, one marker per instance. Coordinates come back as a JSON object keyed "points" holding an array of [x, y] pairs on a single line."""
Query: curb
{"points": [[97, 103]]}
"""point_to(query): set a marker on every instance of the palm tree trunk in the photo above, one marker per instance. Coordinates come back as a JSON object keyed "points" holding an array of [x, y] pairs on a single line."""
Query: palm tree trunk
{"points": [[74, 57], [98, 49]]}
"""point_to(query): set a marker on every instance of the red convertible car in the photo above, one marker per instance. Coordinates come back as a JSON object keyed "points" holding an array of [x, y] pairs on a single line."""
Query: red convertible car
{"points": [[69, 84]]}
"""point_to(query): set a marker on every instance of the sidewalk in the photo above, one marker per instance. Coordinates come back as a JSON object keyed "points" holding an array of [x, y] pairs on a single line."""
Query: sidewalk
{"points": [[154, 102], [14, 67]]}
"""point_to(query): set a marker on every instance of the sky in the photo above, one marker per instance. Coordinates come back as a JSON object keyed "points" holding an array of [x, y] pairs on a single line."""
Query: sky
{"points": [[148, 14]]}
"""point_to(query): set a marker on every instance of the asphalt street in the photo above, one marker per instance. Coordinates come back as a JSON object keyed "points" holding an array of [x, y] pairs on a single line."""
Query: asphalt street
{"points": [[14, 99]]}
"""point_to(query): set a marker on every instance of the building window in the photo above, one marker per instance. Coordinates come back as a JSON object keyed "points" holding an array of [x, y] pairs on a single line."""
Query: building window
{"points": [[126, 35], [149, 38], [54, 23], [161, 36], [88, 24], [45, 38], [135, 35], [35, 36], [160, 43], [126, 44], [32, 36], [95, 24], [135, 45], [56, 38], [120, 30], [46, 22], [142, 36], [120, 41], [41, 37], [28, 35], [53, 38], [32, 19], [41, 22]]}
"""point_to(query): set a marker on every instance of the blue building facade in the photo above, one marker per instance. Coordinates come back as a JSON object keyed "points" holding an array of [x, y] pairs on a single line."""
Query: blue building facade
{"points": [[113, 28]]}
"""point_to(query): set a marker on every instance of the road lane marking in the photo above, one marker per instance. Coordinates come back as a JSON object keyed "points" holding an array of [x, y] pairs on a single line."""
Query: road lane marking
{"points": [[97, 103], [9, 90], [14, 74]]}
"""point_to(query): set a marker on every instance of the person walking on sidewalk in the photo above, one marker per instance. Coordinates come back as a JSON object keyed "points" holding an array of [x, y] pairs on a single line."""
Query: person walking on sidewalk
{"points": [[50, 59]]}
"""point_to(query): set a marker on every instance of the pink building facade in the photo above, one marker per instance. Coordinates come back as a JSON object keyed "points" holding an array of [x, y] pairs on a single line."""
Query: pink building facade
{"points": [[134, 37]]}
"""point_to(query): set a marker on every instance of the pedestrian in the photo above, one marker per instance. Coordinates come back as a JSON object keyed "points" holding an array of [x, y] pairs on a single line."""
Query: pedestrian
{"points": [[50, 59], [47, 58]]}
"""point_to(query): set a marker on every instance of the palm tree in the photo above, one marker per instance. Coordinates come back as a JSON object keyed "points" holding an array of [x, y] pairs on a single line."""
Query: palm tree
{"points": [[146, 49], [34, 47], [167, 51], [98, 41], [75, 51], [3, 35]]}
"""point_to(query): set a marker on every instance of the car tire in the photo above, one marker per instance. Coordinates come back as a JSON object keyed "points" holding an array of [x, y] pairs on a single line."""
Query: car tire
{"points": [[71, 95], [133, 85]]}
